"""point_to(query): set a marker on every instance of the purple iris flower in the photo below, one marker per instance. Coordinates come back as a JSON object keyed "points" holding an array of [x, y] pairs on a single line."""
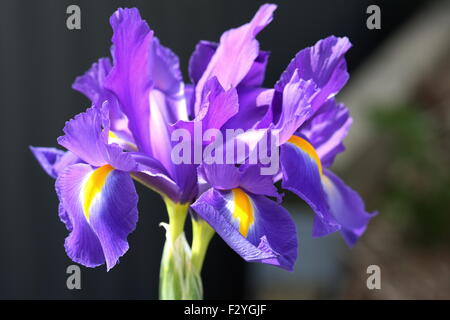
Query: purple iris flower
{"points": [[112, 142], [312, 127], [301, 107], [139, 100], [236, 204]]}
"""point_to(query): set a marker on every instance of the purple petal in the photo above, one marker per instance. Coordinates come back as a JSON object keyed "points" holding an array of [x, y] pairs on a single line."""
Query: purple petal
{"points": [[64, 217], [302, 175], [204, 51], [160, 133], [253, 181], [92, 85], [255, 76], [218, 106], [220, 176], [87, 136], [347, 207], [167, 78], [251, 111], [82, 245], [298, 95], [101, 206], [235, 54], [327, 129], [53, 160], [130, 79], [227, 177], [186, 179], [324, 64], [255, 227], [152, 174]]}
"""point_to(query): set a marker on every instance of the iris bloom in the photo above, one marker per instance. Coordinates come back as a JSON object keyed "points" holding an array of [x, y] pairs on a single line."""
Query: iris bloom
{"points": [[138, 101]]}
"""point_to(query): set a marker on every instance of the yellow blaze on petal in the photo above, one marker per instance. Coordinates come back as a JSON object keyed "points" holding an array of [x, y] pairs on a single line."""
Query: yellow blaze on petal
{"points": [[308, 148], [243, 211], [112, 135], [93, 186]]}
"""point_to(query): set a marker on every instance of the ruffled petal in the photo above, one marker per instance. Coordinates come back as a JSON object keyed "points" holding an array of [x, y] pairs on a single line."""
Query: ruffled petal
{"points": [[324, 64], [147, 81], [100, 209], [235, 54], [92, 85], [87, 136], [130, 79], [255, 227], [327, 129], [205, 50], [167, 78], [218, 105], [250, 108], [298, 95], [84, 136], [217, 108]]}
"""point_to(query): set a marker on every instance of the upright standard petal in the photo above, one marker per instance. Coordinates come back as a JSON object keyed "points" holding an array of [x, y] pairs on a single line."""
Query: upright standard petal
{"points": [[205, 50], [92, 85], [130, 79], [101, 209], [298, 95], [217, 107], [235, 54], [167, 78], [327, 129], [200, 58], [255, 227], [324, 64], [249, 88]]}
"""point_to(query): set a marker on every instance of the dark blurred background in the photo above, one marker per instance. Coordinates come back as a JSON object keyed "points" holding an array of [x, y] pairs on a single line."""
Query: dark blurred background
{"points": [[401, 172]]}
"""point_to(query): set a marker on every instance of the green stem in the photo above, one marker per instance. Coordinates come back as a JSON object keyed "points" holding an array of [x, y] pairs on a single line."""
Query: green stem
{"points": [[179, 279], [202, 234], [177, 217]]}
